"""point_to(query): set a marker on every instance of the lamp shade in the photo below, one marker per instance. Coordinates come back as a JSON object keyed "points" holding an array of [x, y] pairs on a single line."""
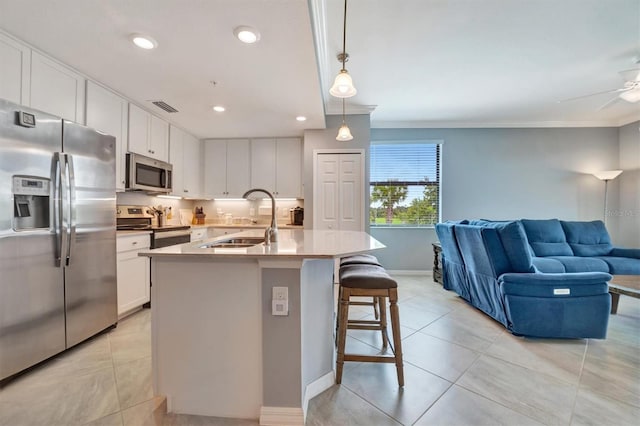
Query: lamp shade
{"points": [[607, 174], [343, 85], [344, 134]]}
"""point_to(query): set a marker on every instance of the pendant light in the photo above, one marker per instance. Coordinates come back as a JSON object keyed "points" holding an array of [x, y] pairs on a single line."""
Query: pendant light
{"points": [[343, 84], [344, 134]]}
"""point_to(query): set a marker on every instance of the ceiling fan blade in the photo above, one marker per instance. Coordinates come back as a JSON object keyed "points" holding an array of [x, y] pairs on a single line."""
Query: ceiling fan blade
{"points": [[609, 103], [592, 94], [631, 75]]}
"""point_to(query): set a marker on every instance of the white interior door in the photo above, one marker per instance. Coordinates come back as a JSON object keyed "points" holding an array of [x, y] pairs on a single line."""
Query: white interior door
{"points": [[339, 192]]}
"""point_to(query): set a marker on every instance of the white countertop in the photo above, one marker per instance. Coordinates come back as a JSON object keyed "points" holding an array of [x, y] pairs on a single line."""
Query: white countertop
{"points": [[292, 243], [248, 226]]}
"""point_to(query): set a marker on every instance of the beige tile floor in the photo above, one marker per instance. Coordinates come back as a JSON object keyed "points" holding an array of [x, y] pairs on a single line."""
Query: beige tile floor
{"points": [[461, 368]]}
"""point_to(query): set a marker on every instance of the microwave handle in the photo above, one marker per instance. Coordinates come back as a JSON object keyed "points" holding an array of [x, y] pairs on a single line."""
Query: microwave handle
{"points": [[163, 178]]}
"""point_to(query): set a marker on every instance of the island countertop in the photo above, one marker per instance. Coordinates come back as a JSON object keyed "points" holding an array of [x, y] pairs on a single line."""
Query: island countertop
{"points": [[292, 243]]}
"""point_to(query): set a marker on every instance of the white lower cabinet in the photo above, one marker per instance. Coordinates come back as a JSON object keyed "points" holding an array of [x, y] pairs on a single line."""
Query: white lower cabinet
{"points": [[133, 272], [199, 234]]}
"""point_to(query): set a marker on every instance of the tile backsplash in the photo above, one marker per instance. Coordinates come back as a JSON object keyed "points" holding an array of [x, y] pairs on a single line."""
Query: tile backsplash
{"points": [[242, 211]]}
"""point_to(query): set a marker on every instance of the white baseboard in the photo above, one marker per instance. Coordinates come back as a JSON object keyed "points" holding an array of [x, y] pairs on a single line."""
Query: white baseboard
{"points": [[316, 387], [413, 272], [281, 416]]}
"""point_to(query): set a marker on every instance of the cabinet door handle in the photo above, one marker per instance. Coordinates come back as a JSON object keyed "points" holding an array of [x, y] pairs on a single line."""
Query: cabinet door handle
{"points": [[185, 190], [134, 243]]}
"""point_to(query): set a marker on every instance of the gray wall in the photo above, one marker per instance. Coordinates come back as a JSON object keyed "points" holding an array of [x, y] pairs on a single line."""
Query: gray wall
{"points": [[281, 341], [326, 139], [505, 174], [627, 215]]}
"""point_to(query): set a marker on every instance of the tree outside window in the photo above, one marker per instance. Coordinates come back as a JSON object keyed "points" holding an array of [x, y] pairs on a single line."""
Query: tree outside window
{"points": [[405, 185]]}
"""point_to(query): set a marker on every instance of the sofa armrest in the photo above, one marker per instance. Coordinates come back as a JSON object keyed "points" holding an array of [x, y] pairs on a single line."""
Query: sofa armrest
{"points": [[555, 285], [625, 252]]}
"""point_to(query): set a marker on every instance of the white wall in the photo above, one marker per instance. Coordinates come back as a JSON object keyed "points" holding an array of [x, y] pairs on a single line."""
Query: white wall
{"points": [[508, 174], [627, 215]]}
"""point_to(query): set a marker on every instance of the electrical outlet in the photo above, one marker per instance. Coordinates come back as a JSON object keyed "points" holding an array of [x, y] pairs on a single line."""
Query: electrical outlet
{"points": [[280, 301]]}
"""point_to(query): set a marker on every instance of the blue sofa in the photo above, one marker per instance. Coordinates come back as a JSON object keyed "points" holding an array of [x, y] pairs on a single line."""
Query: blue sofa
{"points": [[533, 279]]}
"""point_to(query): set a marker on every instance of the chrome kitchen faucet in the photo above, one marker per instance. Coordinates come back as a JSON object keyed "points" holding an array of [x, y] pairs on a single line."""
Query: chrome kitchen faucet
{"points": [[271, 233]]}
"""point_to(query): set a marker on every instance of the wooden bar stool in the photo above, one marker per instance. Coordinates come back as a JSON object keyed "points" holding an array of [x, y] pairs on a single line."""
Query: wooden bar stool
{"points": [[368, 280], [364, 259]]}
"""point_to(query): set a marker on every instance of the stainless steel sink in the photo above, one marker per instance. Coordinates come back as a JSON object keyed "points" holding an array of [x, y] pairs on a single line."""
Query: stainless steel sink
{"points": [[241, 242]]}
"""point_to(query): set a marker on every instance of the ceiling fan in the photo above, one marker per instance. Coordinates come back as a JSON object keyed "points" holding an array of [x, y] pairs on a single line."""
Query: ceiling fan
{"points": [[630, 91]]}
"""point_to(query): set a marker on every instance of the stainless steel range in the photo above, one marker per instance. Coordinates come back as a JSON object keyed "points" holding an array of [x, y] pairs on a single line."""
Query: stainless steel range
{"points": [[135, 218]]}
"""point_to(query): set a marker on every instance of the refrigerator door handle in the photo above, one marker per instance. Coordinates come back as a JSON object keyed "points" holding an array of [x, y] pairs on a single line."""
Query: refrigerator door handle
{"points": [[71, 217], [59, 196]]}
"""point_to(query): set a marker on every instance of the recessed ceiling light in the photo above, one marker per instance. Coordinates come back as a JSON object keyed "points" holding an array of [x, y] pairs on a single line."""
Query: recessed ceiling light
{"points": [[219, 108], [247, 34], [301, 118], [143, 41]]}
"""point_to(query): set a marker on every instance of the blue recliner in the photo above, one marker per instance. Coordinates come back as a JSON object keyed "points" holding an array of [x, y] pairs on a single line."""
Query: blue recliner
{"points": [[503, 282], [454, 274], [562, 246]]}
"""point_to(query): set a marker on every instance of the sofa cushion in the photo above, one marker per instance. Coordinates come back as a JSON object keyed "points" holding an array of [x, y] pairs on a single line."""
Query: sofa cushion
{"points": [[622, 265], [582, 264], [515, 244], [546, 237], [548, 266], [587, 238]]}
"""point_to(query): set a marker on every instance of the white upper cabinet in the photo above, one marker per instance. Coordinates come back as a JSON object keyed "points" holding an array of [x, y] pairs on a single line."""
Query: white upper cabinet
{"points": [[15, 64], [159, 138], [289, 168], [148, 134], [56, 89], [226, 168], [185, 156], [263, 164], [276, 165], [107, 112]]}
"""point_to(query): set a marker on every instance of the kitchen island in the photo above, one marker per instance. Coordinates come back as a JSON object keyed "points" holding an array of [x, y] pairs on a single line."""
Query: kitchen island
{"points": [[217, 348]]}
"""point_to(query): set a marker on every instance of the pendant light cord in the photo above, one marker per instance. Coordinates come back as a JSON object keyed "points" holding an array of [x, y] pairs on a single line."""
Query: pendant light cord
{"points": [[343, 122], [344, 36]]}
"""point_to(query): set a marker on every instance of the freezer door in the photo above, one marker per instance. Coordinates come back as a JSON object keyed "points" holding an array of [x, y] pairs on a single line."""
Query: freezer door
{"points": [[90, 272], [32, 325]]}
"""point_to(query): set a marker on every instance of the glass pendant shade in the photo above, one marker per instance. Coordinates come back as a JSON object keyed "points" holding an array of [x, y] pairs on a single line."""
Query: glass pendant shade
{"points": [[343, 85], [344, 134]]}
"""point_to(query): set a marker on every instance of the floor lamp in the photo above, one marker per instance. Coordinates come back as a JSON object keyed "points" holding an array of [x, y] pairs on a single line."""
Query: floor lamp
{"points": [[606, 176]]}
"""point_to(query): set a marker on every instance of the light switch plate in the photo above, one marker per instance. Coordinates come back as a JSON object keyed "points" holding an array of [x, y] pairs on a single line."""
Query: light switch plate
{"points": [[280, 301]]}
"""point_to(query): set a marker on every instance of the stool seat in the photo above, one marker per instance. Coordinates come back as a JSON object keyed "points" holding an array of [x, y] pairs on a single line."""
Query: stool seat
{"points": [[366, 276], [356, 259]]}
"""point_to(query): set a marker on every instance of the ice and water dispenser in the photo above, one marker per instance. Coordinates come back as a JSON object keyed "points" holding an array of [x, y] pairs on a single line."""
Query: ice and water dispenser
{"points": [[30, 202]]}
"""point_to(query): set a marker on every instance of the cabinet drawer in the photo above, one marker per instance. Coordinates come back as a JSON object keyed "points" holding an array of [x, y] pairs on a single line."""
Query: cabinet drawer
{"points": [[132, 242]]}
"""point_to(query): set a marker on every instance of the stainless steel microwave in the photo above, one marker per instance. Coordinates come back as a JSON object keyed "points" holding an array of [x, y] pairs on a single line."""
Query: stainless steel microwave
{"points": [[148, 174]]}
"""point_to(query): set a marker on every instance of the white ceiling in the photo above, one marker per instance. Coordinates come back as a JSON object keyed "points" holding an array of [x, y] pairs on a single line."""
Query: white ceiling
{"points": [[433, 63]]}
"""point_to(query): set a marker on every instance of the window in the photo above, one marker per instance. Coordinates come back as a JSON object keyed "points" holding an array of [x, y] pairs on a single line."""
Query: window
{"points": [[404, 184]]}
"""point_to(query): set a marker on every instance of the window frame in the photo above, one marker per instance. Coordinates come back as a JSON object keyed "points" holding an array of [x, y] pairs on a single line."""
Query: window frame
{"points": [[437, 183]]}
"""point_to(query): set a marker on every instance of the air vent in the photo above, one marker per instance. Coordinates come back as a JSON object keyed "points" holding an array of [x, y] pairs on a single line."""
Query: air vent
{"points": [[165, 106]]}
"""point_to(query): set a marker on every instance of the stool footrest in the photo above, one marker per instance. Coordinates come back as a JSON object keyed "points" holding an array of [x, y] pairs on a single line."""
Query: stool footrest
{"points": [[369, 358], [364, 327]]}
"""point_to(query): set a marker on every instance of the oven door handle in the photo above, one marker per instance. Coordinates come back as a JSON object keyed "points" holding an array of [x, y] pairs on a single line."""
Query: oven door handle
{"points": [[171, 234]]}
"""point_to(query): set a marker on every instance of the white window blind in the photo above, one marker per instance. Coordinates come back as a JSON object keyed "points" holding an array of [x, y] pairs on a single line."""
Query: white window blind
{"points": [[404, 183]]}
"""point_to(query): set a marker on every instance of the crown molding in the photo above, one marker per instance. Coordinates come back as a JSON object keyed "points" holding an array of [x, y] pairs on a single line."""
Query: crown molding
{"points": [[488, 125], [628, 119], [336, 109], [318, 12]]}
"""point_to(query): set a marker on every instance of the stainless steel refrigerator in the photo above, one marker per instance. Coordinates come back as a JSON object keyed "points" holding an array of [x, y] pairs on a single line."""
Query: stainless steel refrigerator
{"points": [[57, 236]]}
